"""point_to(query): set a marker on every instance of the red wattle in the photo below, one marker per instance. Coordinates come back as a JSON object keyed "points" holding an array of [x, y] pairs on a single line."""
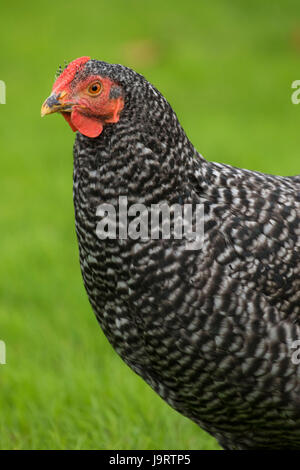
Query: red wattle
{"points": [[87, 126]]}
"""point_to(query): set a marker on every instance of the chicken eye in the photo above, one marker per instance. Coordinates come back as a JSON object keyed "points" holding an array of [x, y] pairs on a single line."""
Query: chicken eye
{"points": [[94, 88]]}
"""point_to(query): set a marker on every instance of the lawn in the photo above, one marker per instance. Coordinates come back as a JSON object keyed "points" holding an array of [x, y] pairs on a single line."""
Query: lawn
{"points": [[226, 67]]}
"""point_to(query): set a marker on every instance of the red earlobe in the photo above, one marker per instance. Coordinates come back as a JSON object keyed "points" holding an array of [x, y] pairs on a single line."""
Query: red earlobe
{"points": [[118, 106]]}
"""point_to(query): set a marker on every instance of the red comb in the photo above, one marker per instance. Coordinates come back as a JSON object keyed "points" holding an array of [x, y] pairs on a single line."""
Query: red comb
{"points": [[69, 73]]}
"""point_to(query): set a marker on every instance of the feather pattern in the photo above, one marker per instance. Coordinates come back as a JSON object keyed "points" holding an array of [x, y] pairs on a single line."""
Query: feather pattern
{"points": [[209, 330]]}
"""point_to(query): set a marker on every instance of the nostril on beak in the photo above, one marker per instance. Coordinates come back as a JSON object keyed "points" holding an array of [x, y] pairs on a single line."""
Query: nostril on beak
{"points": [[53, 101], [53, 104]]}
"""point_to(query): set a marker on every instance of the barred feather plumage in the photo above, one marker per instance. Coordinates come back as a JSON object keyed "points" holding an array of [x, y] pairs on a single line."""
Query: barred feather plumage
{"points": [[209, 330]]}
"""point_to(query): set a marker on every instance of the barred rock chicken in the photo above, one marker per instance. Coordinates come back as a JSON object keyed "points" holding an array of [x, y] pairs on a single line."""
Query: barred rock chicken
{"points": [[211, 330]]}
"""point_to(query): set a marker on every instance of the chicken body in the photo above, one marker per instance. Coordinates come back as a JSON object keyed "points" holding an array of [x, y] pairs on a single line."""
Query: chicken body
{"points": [[212, 331]]}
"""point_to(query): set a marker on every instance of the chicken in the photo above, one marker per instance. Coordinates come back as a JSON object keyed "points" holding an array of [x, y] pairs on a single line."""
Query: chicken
{"points": [[212, 330]]}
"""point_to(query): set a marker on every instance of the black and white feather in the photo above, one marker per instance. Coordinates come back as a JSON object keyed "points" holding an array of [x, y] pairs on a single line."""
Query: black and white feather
{"points": [[210, 330]]}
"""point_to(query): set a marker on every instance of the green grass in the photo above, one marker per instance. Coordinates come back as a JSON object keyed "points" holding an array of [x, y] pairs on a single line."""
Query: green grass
{"points": [[227, 68]]}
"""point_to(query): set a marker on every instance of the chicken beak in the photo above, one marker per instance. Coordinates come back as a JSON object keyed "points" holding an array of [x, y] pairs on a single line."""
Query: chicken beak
{"points": [[55, 103]]}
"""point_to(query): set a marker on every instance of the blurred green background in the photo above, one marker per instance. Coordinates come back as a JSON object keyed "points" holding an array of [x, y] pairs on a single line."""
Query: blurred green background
{"points": [[226, 67]]}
